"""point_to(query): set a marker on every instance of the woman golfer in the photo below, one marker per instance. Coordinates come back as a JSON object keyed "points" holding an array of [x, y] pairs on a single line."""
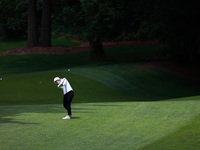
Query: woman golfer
{"points": [[68, 94]]}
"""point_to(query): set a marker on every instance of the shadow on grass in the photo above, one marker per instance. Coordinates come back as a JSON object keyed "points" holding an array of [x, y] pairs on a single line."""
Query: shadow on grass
{"points": [[10, 114], [13, 114], [75, 117], [10, 120]]}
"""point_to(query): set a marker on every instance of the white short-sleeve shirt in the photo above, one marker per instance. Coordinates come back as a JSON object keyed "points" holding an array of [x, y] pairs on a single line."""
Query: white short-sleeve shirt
{"points": [[65, 85]]}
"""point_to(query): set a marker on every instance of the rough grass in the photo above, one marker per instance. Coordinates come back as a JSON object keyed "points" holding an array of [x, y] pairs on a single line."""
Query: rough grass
{"points": [[7, 45], [11, 44]]}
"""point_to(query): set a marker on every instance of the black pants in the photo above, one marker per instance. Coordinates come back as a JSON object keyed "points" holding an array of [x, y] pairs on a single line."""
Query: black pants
{"points": [[67, 99]]}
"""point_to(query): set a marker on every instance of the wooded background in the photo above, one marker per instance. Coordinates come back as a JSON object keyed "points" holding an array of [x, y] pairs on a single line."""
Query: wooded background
{"points": [[174, 22]]}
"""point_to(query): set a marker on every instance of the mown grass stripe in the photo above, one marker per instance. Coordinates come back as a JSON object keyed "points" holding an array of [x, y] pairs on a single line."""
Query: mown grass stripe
{"points": [[108, 79]]}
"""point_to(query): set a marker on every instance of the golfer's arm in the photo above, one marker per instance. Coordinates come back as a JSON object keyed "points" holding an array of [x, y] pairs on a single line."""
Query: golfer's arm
{"points": [[61, 83]]}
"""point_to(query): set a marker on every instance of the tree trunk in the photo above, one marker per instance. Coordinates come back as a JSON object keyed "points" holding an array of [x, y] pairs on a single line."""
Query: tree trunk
{"points": [[46, 24], [32, 24], [97, 51]]}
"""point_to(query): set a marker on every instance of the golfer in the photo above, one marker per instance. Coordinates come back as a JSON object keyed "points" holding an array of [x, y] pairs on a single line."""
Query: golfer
{"points": [[68, 94]]}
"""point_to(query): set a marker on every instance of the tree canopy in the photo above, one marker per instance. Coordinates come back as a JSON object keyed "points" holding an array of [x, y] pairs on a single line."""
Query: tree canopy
{"points": [[13, 18], [174, 22]]}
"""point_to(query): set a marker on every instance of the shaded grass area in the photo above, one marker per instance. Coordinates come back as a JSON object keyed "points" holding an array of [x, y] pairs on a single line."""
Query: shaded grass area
{"points": [[39, 88], [154, 81], [95, 84], [32, 63], [7, 45], [62, 42], [12, 44], [137, 53]]}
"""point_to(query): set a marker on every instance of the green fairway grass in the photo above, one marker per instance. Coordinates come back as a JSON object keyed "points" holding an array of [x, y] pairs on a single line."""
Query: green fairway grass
{"points": [[185, 138], [118, 104], [116, 125]]}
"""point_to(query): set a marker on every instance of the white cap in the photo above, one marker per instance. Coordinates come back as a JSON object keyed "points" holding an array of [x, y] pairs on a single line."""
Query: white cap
{"points": [[55, 79]]}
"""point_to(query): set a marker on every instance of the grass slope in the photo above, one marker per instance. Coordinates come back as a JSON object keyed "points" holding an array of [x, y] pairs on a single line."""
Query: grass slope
{"points": [[117, 105], [38, 88], [185, 138], [33, 63], [112, 124], [94, 84]]}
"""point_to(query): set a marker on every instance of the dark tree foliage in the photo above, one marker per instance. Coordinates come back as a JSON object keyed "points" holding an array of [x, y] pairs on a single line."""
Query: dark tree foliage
{"points": [[175, 23], [100, 20], [13, 18], [182, 30]]}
